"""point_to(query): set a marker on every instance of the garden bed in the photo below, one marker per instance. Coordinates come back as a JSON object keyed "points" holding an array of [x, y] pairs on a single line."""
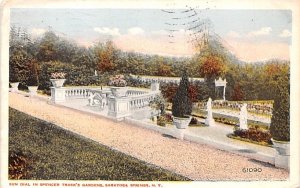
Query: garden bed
{"points": [[248, 140]]}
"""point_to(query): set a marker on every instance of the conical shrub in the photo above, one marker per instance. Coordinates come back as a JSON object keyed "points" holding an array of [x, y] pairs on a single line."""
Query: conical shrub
{"points": [[182, 105]]}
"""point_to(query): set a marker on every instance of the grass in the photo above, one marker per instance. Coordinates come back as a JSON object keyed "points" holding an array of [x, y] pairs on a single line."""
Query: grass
{"points": [[52, 153]]}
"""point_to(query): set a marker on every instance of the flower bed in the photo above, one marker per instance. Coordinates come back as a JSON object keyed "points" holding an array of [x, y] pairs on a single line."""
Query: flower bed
{"points": [[253, 135], [165, 119], [248, 140]]}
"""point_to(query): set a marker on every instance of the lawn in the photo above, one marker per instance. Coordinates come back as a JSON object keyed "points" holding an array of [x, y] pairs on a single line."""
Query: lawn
{"points": [[39, 150]]}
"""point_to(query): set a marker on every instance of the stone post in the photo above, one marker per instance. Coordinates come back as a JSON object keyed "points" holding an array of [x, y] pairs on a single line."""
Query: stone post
{"points": [[58, 94], [209, 119], [243, 117], [154, 86], [118, 107]]}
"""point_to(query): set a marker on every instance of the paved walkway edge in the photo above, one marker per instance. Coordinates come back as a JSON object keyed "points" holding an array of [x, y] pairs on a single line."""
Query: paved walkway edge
{"points": [[203, 140]]}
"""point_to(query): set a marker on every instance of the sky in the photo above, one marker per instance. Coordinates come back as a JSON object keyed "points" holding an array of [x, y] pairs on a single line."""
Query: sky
{"points": [[252, 35]]}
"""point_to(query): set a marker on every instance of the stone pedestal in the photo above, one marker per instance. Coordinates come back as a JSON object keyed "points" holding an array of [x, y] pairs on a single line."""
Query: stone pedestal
{"points": [[209, 121], [179, 133], [282, 161], [14, 87], [282, 158], [58, 95], [118, 107], [155, 86], [32, 90], [243, 117]]}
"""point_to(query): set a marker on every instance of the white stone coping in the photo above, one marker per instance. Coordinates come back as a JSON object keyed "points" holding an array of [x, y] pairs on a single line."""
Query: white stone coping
{"points": [[163, 79]]}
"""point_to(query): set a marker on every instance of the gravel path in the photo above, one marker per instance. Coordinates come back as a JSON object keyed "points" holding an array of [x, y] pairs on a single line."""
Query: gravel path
{"points": [[196, 161]]}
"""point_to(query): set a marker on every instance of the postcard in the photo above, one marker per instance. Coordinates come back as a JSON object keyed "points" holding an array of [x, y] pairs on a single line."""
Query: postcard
{"points": [[149, 93]]}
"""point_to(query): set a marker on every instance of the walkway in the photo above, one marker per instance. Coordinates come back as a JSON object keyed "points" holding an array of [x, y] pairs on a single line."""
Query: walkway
{"points": [[194, 160]]}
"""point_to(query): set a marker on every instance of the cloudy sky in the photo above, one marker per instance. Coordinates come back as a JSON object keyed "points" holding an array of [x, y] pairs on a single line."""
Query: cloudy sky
{"points": [[252, 35]]}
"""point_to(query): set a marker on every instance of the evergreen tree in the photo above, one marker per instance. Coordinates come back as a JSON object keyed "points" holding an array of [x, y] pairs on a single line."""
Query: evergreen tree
{"points": [[280, 122], [182, 105]]}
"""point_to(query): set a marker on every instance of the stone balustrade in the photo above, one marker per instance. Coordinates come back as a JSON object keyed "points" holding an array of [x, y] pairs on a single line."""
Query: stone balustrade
{"points": [[163, 79], [137, 102], [76, 92], [118, 107], [135, 92]]}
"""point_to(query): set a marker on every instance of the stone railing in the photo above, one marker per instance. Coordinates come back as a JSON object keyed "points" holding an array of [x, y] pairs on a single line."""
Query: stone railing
{"points": [[135, 93], [141, 101], [256, 107], [76, 92], [80, 92], [163, 79]]}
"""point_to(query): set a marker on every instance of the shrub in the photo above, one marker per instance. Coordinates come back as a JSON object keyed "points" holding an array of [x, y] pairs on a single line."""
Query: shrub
{"points": [[161, 121], [33, 78], [182, 105], [168, 117], [158, 103], [168, 91], [194, 121], [19, 165], [280, 122], [254, 134]]}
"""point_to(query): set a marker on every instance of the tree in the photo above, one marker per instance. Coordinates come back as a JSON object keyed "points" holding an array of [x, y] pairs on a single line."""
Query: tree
{"points": [[33, 78], [182, 105], [168, 91], [106, 55], [280, 122], [19, 65], [47, 47], [211, 66], [20, 56], [237, 94]]}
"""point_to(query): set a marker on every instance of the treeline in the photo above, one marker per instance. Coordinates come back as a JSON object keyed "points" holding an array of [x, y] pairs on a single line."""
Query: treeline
{"points": [[38, 58]]}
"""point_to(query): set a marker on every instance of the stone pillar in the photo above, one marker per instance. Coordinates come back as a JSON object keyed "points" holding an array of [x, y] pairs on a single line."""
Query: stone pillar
{"points": [[154, 86], [209, 119], [118, 107], [282, 161], [243, 117], [58, 95], [282, 157]]}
